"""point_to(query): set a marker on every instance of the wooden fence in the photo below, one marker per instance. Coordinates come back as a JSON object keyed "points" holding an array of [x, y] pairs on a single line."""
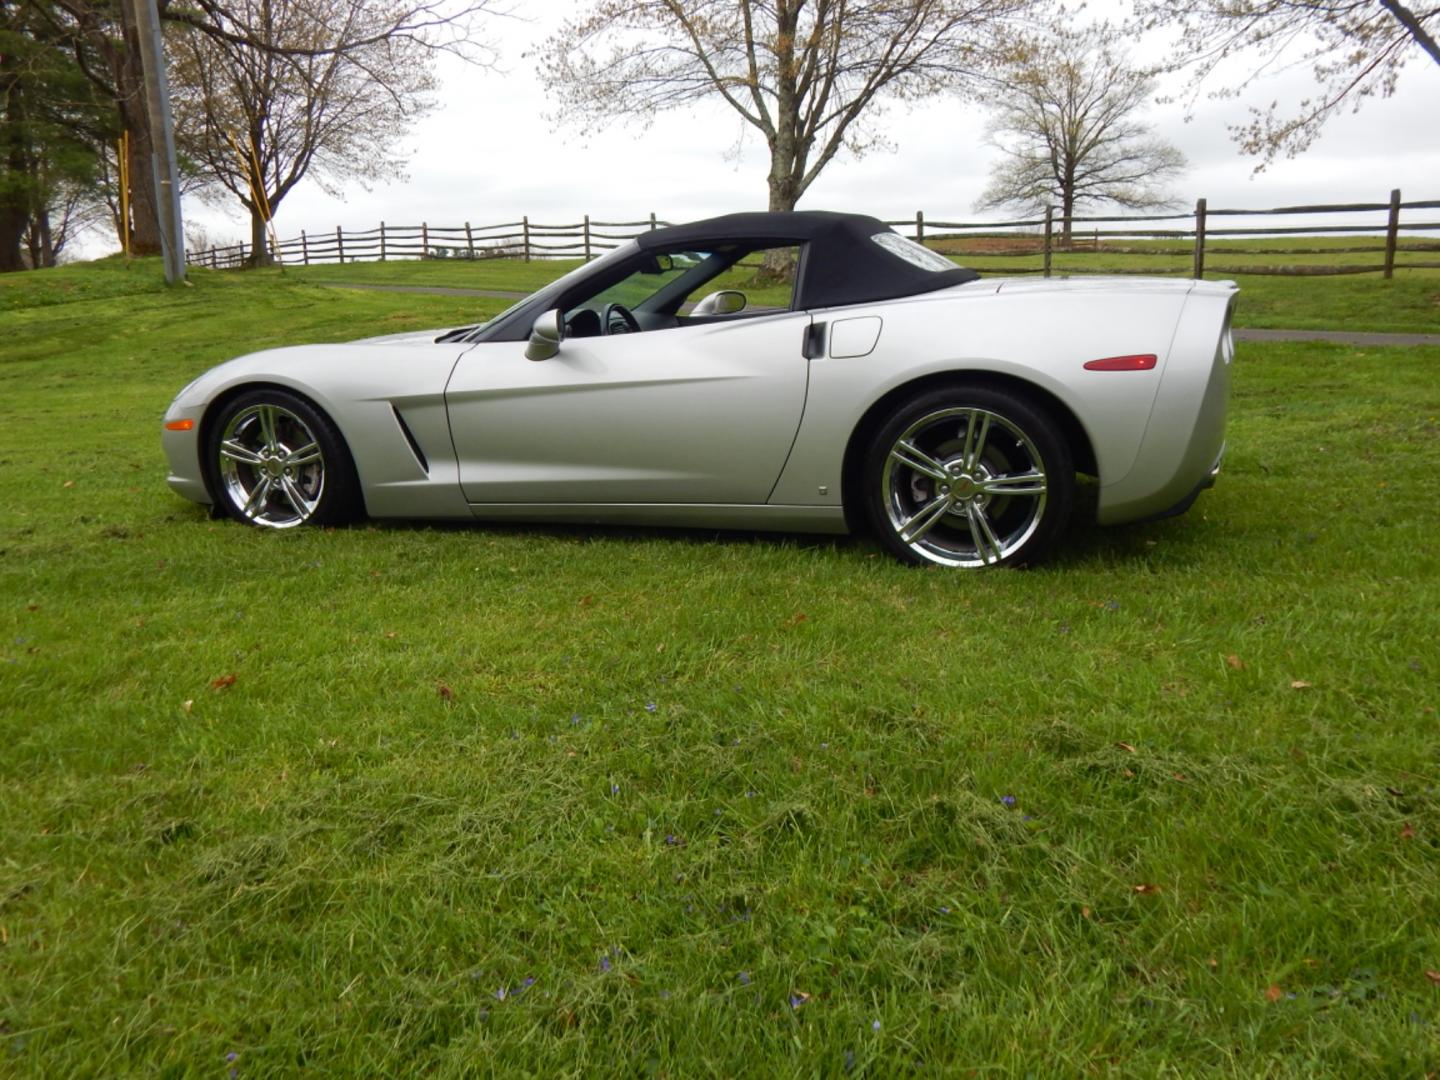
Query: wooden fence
{"points": [[1191, 235]]}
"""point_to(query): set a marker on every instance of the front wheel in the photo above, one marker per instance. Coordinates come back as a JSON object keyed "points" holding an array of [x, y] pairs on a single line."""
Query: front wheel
{"points": [[277, 462], [969, 477]]}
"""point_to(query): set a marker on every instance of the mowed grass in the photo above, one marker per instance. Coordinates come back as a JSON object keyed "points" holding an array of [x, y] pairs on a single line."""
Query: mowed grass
{"points": [[449, 800]]}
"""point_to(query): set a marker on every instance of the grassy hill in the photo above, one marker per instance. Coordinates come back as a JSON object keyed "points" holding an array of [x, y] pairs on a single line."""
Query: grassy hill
{"points": [[403, 798]]}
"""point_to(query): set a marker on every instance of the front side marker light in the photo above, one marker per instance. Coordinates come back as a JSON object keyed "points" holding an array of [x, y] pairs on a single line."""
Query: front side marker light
{"points": [[1141, 362], [179, 425]]}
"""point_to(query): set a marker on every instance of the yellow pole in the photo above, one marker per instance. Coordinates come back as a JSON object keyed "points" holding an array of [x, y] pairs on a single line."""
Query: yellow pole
{"points": [[123, 151], [256, 182]]}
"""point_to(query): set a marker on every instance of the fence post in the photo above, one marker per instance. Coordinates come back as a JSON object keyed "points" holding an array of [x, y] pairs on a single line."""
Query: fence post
{"points": [[469, 242], [1199, 239], [653, 224], [525, 227], [1392, 233], [304, 248], [424, 240], [340, 243], [1049, 236], [382, 241], [214, 260], [919, 226], [587, 237]]}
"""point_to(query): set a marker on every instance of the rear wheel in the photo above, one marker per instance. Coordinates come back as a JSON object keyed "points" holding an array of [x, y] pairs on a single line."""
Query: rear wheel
{"points": [[277, 462], [969, 477]]}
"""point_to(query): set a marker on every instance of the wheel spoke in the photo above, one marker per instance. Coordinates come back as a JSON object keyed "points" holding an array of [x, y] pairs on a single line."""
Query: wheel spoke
{"points": [[987, 544], [1027, 483], [304, 456], [258, 495], [237, 451], [923, 520], [266, 415], [975, 440], [912, 457], [295, 497]]}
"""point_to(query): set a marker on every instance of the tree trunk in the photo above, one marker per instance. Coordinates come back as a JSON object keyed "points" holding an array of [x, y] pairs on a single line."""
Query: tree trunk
{"points": [[1067, 211], [134, 118], [778, 265], [259, 241]]}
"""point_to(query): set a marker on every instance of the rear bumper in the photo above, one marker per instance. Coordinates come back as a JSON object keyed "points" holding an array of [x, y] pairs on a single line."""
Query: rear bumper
{"points": [[1189, 500]]}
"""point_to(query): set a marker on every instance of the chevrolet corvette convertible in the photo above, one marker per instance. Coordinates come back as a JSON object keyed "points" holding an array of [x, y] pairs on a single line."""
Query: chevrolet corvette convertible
{"points": [[810, 371]]}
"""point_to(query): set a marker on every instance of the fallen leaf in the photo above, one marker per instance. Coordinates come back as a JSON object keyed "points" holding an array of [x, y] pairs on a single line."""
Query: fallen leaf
{"points": [[1235, 662], [1181, 777], [660, 647], [188, 705], [32, 607], [1085, 913], [1407, 833], [1299, 684], [68, 483], [1433, 976], [1126, 747], [1273, 992], [799, 617], [1213, 963], [224, 682], [1146, 889], [1128, 774], [446, 694], [390, 635], [586, 601]]}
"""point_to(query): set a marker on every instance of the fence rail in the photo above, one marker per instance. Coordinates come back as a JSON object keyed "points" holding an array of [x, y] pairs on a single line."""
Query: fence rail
{"points": [[1189, 235]]}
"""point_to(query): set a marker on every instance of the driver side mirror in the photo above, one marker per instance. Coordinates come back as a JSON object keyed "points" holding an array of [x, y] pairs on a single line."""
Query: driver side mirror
{"points": [[724, 302], [545, 336]]}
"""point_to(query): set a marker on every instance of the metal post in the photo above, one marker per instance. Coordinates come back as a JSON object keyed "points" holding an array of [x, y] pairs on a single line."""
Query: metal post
{"points": [[1049, 236], [162, 140], [919, 226], [587, 237], [1199, 239], [340, 243], [525, 228], [1392, 233], [382, 241]]}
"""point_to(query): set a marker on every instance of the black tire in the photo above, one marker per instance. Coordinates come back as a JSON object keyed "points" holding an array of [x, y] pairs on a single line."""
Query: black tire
{"points": [[276, 461], [969, 476]]}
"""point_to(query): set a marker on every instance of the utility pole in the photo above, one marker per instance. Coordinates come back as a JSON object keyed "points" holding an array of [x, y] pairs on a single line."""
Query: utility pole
{"points": [[162, 128]]}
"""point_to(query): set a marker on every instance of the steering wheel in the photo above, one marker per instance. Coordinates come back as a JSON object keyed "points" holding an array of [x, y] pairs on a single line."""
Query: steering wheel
{"points": [[626, 323]]}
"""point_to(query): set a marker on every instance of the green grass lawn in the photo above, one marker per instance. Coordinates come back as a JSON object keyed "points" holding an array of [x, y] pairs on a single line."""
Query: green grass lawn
{"points": [[402, 799]]}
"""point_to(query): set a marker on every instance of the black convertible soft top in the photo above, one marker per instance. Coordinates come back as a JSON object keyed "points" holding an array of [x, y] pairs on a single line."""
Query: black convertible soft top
{"points": [[843, 262]]}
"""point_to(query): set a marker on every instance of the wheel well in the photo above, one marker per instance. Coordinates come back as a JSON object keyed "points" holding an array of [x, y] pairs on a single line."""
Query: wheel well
{"points": [[1070, 427], [216, 407]]}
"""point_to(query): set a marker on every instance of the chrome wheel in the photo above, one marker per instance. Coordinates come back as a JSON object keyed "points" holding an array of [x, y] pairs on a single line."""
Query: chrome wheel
{"points": [[964, 486], [270, 466]]}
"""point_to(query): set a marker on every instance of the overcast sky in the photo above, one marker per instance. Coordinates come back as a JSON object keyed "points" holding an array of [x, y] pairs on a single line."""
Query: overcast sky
{"points": [[488, 154]]}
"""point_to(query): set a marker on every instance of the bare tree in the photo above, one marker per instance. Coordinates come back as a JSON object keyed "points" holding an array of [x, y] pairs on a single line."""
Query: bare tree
{"points": [[807, 74], [103, 38], [1355, 49], [261, 113], [1067, 131]]}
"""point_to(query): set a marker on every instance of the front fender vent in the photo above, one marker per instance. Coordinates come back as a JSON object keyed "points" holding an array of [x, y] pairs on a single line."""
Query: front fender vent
{"points": [[410, 438]]}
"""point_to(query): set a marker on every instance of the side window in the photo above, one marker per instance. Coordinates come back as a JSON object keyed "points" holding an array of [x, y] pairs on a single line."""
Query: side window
{"points": [[765, 276]]}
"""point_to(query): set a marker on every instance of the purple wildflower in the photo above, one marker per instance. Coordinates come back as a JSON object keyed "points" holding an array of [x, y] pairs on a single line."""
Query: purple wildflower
{"points": [[604, 964], [874, 1025], [650, 706], [944, 909], [614, 789], [231, 1056], [744, 978], [501, 994], [1008, 800]]}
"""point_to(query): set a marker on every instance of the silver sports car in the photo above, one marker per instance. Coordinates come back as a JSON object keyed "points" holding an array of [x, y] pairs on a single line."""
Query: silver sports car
{"points": [[805, 371]]}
